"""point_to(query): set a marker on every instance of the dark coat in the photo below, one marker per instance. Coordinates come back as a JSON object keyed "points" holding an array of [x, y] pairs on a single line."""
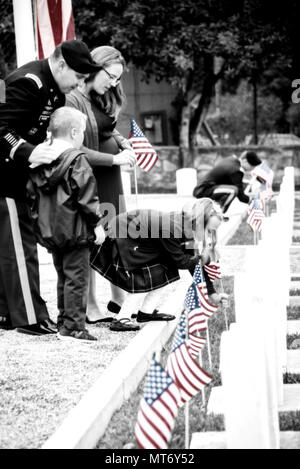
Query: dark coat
{"points": [[144, 251], [149, 237], [31, 97], [64, 201], [226, 172]]}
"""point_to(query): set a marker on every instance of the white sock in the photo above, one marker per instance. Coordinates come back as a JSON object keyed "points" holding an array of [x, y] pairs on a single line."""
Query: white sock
{"points": [[131, 305]]}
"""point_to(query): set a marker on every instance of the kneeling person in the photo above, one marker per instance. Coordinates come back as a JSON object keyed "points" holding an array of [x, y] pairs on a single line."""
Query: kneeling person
{"points": [[224, 181], [66, 211]]}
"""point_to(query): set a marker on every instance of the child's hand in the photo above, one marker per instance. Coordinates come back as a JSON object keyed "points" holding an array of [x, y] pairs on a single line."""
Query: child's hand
{"points": [[100, 235], [224, 300], [220, 299]]}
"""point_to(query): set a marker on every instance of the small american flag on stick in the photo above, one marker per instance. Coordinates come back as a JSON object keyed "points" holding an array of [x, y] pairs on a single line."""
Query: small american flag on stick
{"points": [[256, 214], [266, 192], [196, 318], [208, 308], [194, 343], [145, 153], [263, 173], [187, 374], [213, 270], [158, 409]]}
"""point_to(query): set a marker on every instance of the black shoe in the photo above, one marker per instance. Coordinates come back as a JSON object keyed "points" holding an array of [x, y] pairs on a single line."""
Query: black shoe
{"points": [[155, 316], [42, 328], [134, 315], [5, 324], [104, 319], [113, 307]]}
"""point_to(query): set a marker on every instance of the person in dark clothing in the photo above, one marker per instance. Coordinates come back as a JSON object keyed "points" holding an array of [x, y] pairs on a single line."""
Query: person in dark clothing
{"points": [[224, 181], [66, 212], [102, 98], [146, 248], [33, 92]]}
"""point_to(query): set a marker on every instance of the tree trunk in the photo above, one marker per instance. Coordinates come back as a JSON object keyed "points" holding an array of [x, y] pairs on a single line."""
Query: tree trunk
{"points": [[205, 99], [255, 114], [184, 150]]}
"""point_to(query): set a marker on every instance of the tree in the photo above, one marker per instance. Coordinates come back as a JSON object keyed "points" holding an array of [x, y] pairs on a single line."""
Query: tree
{"points": [[180, 40]]}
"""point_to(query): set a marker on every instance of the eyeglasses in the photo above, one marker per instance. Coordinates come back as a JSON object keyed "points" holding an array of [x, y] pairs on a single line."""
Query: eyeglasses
{"points": [[112, 78]]}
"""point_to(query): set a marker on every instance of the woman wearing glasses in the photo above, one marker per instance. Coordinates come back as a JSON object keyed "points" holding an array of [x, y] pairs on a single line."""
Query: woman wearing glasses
{"points": [[101, 99]]}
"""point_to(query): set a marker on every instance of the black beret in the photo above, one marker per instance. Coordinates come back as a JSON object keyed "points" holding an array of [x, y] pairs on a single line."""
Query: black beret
{"points": [[252, 158], [78, 57]]}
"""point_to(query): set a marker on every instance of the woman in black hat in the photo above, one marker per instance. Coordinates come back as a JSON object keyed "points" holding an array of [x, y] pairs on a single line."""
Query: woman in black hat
{"points": [[101, 99]]}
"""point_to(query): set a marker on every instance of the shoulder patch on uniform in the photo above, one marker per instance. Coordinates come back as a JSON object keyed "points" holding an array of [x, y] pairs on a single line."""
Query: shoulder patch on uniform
{"points": [[35, 78]]}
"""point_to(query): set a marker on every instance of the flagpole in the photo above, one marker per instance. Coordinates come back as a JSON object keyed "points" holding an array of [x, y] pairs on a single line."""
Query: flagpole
{"points": [[208, 347], [187, 425], [224, 309], [207, 329], [187, 406], [203, 389], [136, 187]]}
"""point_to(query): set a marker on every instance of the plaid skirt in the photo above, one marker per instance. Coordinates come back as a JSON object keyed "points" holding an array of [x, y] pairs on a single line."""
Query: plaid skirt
{"points": [[141, 280]]}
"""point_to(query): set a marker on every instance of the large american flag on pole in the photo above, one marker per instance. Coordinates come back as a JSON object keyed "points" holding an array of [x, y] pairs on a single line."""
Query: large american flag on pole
{"points": [[158, 409], [186, 372], [145, 153], [54, 24], [255, 214]]}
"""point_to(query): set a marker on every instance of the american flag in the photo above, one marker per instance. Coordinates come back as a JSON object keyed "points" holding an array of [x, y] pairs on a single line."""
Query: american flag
{"points": [[255, 214], [145, 153], [196, 317], [194, 342], [213, 270], [263, 173], [54, 24], [158, 409], [187, 374], [208, 308], [266, 192]]}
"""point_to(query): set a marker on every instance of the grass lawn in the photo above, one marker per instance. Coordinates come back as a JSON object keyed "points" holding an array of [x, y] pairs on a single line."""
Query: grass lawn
{"points": [[293, 313]]}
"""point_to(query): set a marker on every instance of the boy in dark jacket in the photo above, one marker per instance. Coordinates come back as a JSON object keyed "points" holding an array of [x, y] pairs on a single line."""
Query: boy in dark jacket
{"points": [[66, 211]]}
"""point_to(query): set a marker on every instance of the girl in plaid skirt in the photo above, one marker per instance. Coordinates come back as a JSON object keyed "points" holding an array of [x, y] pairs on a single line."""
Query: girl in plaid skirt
{"points": [[144, 251]]}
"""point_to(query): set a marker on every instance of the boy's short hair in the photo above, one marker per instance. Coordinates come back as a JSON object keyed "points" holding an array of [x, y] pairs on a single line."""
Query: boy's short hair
{"points": [[64, 119]]}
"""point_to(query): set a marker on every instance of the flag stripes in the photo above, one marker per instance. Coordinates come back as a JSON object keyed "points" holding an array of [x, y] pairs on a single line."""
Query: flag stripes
{"points": [[158, 409], [187, 374], [208, 308], [195, 344], [145, 153], [255, 214], [213, 270], [54, 24], [197, 321]]}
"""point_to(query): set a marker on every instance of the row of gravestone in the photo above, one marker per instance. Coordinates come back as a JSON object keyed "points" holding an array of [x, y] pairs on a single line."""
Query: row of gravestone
{"points": [[253, 355]]}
